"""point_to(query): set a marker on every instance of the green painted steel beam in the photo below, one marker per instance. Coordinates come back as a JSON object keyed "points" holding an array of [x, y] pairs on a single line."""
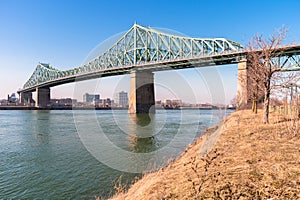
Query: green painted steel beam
{"points": [[146, 48]]}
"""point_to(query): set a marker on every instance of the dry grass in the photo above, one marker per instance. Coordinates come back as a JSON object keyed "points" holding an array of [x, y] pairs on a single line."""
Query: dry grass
{"points": [[249, 160]]}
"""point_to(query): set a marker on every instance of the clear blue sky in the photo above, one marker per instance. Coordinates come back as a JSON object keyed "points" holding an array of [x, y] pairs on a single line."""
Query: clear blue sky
{"points": [[64, 32]]}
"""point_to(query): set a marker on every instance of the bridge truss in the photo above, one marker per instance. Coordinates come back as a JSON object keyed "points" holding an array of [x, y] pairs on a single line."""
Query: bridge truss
{"points": [[137, 47], [288, 59], [147, 48]]}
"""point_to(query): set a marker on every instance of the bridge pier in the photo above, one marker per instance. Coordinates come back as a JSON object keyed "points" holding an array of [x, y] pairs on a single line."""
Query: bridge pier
{"points": [[243, 97], [25, 97], [142, 99], [42, 97]]}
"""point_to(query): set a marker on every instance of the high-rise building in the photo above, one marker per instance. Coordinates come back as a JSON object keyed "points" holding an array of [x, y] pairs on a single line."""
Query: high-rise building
{"points": [[90, 97], [122, 99]]}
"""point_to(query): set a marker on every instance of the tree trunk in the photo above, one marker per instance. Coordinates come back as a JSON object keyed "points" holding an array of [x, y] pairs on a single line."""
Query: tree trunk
{"points": [[256, 96], [254, 106], [266, 106]]}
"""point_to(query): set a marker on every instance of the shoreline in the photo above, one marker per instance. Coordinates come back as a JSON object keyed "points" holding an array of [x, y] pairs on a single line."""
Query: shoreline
{"points": [[239, 158], [205, 144], [97, 108]]}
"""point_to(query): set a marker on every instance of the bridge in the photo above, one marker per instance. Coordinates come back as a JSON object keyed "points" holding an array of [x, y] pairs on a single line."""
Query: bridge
{"points": [[142, 51]]}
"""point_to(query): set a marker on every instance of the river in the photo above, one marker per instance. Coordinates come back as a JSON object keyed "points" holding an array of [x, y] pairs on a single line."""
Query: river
{"points": [[80, 154]]}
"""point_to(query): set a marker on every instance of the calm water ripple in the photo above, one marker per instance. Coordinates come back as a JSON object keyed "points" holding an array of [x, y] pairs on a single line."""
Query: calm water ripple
{"points": [[42, 156]]}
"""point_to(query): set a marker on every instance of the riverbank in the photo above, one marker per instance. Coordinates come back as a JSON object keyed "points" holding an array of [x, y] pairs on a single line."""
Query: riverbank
{"points": [[242, 158]]}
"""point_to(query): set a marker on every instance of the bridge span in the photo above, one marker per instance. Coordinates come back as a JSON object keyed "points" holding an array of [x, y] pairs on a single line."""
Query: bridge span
{"points": [[140, 52]]}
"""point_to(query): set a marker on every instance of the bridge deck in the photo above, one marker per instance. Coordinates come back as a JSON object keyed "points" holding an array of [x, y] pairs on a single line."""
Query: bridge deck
{"points": [[144, 48], [204, 61]]}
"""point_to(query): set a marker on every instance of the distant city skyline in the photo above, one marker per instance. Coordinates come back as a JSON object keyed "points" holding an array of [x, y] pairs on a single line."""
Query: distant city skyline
{"points": [[65, 34]]}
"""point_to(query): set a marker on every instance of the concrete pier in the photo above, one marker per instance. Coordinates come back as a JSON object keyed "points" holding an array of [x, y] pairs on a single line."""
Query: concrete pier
{"points": [[26, 97], [42, 97], [142, 99], [243, 97]]}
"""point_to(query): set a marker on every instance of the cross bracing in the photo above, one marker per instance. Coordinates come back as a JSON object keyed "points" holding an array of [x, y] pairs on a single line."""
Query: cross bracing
{"points": [[139, 46], [288, 60], [143, 48]]}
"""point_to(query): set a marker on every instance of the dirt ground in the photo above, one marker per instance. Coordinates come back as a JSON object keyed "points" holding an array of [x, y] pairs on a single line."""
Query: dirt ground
{"points": [[242, 158]]}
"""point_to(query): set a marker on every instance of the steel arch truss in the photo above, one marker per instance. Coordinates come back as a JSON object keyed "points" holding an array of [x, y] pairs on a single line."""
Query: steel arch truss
{"points": [[140, 45], [42, 73]]}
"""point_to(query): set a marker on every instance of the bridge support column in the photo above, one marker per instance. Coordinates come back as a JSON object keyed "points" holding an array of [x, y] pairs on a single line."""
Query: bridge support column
{"points": [[141, 98], [243, 97], [42, 97], [26, 97]]}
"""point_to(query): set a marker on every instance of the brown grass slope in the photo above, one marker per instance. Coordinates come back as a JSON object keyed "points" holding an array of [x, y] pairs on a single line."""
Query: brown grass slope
{"points": [[249, 160]]}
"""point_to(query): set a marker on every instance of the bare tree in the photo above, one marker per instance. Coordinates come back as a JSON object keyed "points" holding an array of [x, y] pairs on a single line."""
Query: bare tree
{"points": [[254, 82], [265, 75]]}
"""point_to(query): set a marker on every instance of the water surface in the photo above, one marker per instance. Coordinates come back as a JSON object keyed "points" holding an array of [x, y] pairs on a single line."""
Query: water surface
{"points": [[42, 155]]}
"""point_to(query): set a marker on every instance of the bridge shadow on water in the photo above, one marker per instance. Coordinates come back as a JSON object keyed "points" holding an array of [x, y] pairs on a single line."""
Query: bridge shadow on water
{"points": [[141, 135]]}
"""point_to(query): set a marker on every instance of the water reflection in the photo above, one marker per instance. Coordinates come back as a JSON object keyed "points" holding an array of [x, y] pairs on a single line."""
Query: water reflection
{"points": [[142, 119], [40, 126], [142, 133], [142, 145], [141, 125]]}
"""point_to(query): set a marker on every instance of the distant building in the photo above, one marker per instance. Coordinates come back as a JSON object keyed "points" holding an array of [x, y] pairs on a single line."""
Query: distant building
{"points": [[104, 103], [108, 102], [12, 98], [175, 103], [122, 99], [167, 102], [3, 102], [67, 102], [204, 106], [91, 97]]}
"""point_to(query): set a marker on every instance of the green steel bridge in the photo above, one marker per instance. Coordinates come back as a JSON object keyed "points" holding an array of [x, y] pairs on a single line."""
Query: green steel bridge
{"points": [[139, 49], [145, 49]]}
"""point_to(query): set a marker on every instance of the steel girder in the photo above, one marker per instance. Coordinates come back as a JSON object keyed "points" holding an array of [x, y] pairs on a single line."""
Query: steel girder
{"points": [[287, 62], [139, 46]]}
